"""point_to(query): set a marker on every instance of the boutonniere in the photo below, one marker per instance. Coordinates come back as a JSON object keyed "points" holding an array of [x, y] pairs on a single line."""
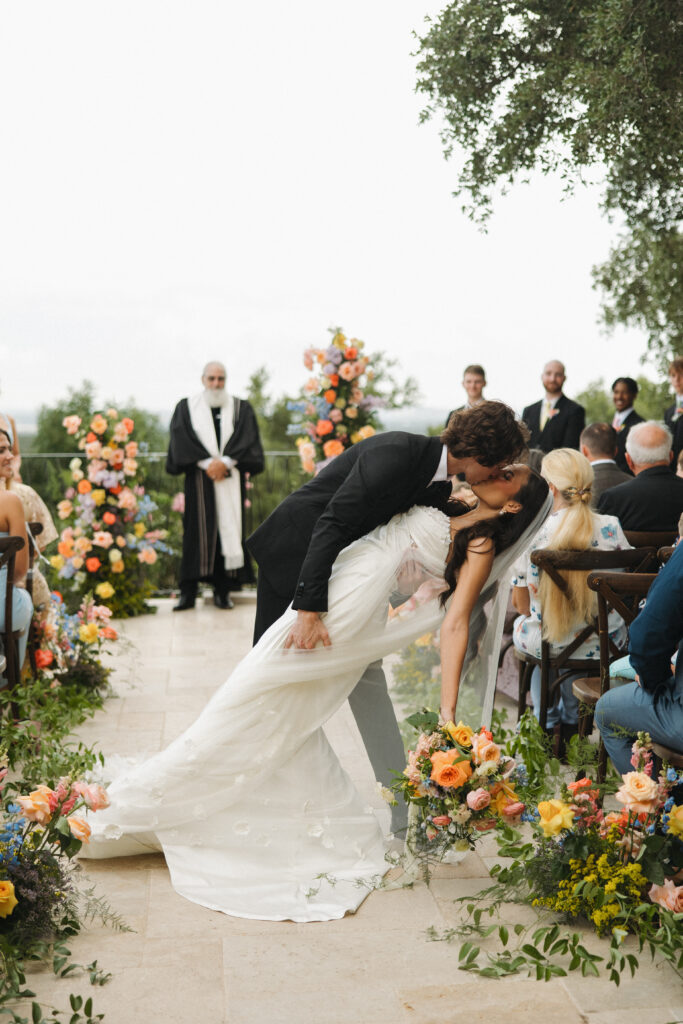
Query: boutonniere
{"points": [[552, 412]]}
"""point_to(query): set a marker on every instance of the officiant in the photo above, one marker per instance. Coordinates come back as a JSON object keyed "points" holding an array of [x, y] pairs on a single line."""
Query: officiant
{"points": [[215, 442]]}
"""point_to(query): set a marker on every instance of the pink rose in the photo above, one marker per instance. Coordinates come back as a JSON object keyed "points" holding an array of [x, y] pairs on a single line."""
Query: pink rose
{"points": [[442, 821], [668, 895], [513, 809], [80, 829], [478, 799], [485, 825], [484, 749], [94, 796]]}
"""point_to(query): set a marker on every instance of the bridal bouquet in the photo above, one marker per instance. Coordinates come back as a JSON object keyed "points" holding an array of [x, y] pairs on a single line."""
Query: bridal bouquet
{"points": [[458, 785]]}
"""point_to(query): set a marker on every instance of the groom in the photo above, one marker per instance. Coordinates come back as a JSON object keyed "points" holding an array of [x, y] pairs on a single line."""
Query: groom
{"points": [[358, 490]]}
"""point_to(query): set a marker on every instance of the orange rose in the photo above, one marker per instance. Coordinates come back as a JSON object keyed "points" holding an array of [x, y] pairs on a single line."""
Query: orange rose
{"points": [[109, 518], [446, 773], [332, 448], [44, 658], [80, 829], [128, 423], [330, 396], [90, 437], [66, 548], [92, 564], [107, 633], [323, 427], [334, 379], [84, 486], [351, 352]]}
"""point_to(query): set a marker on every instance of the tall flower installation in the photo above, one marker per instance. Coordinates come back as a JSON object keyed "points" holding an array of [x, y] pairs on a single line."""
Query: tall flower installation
{"points": [[335, 410], [108, 541]]}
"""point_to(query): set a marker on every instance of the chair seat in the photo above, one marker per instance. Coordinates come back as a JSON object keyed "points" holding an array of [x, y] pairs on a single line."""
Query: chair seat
{"points": [[672, 757], [587, 689]]}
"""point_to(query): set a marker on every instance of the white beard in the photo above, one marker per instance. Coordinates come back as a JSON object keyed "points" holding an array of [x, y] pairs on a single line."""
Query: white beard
{"points": [[216, 398]]}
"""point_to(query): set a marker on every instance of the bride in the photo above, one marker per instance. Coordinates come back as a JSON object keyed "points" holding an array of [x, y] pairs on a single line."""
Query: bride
{"points": [[250, 806]]}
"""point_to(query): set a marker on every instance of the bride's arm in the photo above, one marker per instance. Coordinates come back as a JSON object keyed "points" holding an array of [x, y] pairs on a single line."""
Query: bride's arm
{"points": [[455, 628]]}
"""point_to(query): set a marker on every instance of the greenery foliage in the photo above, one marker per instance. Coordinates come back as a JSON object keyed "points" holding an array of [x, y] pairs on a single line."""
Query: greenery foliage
{"points": [[573, 88]]}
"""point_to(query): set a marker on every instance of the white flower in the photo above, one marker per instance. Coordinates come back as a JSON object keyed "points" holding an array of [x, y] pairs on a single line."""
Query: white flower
{"points": [[386, 794], [462, 815], [75, 464]]}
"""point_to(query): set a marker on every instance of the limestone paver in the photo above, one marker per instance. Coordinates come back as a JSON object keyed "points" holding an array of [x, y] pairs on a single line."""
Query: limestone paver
{"points": [[185, 964]]}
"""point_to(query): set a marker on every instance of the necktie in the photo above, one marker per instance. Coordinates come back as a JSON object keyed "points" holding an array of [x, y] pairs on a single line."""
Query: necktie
{"points": [[545, 413], [616, 422]]}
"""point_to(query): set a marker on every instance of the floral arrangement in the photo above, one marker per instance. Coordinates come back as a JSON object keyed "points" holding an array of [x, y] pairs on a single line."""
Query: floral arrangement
{"points": [[71, 645], [39, 835], [335, 411], [458, 784], [108, 540], [619, 871]]}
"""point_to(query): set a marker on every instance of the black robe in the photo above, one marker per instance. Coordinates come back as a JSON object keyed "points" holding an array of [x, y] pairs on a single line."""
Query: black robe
{"points": [[200, 526]]}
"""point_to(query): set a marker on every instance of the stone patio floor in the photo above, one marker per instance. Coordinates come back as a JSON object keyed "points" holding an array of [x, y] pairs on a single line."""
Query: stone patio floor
{"points": [[183, 963]]}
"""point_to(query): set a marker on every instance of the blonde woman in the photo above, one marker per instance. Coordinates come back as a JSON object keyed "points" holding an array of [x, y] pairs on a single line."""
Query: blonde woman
{"points": [[546, 613]]}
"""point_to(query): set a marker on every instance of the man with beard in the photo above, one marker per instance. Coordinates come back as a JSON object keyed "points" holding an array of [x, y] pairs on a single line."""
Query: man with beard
{"points": [[215, 442], [555, 421]]}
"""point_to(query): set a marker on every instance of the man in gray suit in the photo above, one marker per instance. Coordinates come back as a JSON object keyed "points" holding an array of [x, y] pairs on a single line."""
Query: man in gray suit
{"points": [[598, 443]]}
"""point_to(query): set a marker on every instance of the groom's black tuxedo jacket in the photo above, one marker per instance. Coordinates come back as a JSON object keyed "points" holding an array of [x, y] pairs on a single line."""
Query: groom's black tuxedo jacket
{"points": [[358, 490], [562, 430]]}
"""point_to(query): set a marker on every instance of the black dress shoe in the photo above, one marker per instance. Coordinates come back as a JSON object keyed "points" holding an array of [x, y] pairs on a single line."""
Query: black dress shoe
{"points": [[223, 602], [184, 603]]}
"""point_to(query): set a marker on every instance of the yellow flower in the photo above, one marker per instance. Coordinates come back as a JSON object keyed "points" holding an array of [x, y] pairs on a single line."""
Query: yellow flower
{"points": [[459, 733], [57, 562], [104, 590], [676, 820], [424, 641], [99, 496], [139, 529], [555, 815], [8, 900], [339, 340], [115, 556], [88, 633]]}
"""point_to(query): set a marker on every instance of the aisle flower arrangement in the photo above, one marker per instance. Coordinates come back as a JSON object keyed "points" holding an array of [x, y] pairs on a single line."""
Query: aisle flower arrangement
{"points": [[71, 645], [335, 410], [617, 872], [108, 540], [458, 784]]}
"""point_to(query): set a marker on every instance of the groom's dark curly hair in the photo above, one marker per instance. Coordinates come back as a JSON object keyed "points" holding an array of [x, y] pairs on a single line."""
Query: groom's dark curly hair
{"points": [[489, 433]]}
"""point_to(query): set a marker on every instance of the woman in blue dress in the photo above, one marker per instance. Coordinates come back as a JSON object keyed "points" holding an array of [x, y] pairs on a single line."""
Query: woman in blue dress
{"points": [[12, 525]]}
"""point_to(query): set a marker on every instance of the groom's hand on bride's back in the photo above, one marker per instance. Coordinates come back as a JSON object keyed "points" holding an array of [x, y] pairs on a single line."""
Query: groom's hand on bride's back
{"points": [[307, 632]]}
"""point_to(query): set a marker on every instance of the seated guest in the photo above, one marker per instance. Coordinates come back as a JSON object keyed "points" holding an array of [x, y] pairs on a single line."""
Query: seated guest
{"points": [[12, 525], [624, 392], [654, 500], [598, 443], [35, 511], [9, 427], [547, 613], [679, 464], [673, 416], [654, 704], [555, 421], [474, 382]]}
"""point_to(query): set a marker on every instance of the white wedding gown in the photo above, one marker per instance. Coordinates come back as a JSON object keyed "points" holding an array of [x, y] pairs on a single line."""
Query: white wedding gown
{"points": [[253, 812]]}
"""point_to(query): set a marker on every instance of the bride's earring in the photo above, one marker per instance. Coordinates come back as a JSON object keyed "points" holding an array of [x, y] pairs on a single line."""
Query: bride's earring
{"points": [[501, 512]]}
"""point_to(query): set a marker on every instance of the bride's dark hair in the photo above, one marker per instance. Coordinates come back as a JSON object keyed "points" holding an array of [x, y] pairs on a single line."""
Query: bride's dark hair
{"points": [[504, 530]]}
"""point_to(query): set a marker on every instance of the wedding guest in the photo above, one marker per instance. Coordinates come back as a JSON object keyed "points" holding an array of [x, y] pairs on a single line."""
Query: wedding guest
{"points": [[474, 382], [12, 525], [654, 704], [546, 612], [679, 464], [654, 499], [556, 421], [624, 392], [673, 416], [598, 443], [10, 428], [215, 442], [35, 511]]}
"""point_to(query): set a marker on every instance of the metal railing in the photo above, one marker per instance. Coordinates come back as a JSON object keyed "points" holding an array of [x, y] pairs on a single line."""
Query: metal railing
{"points": [[48, 473]]}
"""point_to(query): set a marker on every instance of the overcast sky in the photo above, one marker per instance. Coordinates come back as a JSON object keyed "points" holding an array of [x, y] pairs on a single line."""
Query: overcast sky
{"points": [[182, 181]]}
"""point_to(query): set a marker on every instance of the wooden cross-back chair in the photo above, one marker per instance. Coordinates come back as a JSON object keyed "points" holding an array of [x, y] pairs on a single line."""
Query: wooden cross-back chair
{"points": [[622, 592], [553, 563], [9, 546], [650, 538], [34, 530]]}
